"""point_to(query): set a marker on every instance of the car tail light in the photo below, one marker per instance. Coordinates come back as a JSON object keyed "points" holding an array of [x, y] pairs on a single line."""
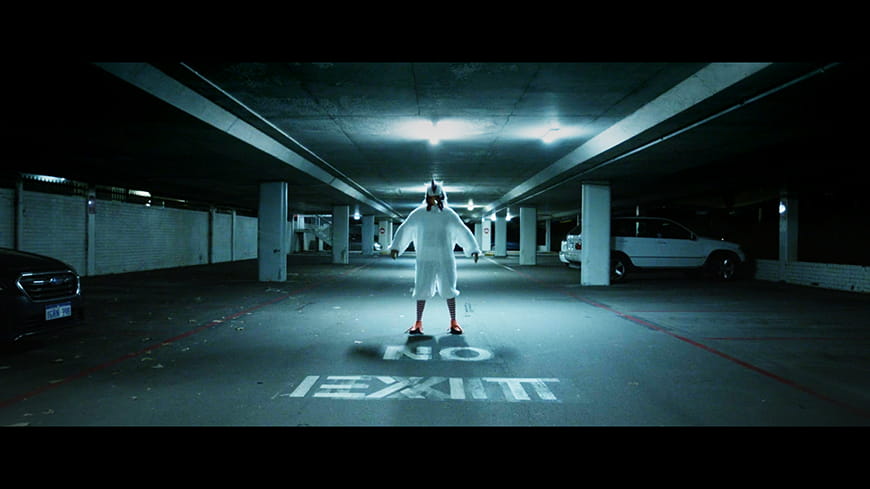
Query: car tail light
{"points": [[578, 246]]}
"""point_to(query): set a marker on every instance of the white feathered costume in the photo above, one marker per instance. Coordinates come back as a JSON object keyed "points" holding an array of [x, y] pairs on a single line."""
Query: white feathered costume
{"points": [[434, 230]]}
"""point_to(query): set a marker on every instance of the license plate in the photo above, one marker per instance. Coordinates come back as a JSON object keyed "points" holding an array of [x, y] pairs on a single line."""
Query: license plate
{"points": [[57, 311]]}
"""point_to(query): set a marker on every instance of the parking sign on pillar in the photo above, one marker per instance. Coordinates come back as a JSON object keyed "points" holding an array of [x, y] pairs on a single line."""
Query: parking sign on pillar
{"points": [[486, 239], [385, 233]]}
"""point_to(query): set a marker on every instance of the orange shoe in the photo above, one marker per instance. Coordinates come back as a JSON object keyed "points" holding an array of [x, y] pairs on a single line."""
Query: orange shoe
{"points": [[417, 328], [454, 327]]}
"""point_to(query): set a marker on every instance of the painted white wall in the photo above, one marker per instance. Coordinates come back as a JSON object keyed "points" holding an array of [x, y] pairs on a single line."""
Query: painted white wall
{"points": [[132, 238], [127, 237]]}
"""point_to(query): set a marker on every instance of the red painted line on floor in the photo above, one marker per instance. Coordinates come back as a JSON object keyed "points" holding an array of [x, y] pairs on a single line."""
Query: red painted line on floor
{"points": [[169, 341], [782, 338], [637, 320]]}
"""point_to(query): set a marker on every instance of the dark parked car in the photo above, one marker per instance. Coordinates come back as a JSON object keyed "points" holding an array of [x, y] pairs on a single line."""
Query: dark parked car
{"points": [[38, 294]]}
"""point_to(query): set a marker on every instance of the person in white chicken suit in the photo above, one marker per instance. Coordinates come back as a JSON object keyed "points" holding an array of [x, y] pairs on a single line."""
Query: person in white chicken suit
{"points": [[435, 229]]}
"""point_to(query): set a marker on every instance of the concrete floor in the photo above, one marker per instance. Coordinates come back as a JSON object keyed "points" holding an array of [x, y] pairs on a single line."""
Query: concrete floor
{"points": [[212, 346]]}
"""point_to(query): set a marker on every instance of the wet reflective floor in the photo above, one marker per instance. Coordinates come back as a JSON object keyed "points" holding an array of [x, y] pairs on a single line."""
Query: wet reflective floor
{"points": [[212, 346]]}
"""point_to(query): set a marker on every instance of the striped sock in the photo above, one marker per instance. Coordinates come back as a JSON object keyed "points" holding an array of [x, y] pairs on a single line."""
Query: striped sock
{"points": [[420, 306], [451, 305]]}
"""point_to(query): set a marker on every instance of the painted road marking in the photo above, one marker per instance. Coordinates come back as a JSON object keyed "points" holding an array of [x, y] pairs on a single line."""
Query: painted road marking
{"points": [[424, 353], [367, 387]]}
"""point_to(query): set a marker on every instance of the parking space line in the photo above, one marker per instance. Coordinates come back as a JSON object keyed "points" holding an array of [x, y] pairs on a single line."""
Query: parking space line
{"points": [[650, 325]]}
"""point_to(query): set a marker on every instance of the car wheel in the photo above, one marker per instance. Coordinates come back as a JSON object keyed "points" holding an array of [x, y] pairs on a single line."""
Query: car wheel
{"points": [[619, 267], [723, 266]]}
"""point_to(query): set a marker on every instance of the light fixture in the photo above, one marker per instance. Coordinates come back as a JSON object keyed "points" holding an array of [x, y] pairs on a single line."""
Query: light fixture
{"points": [[437, 130], [45, 178], [470, 205], [782, 208], [550, 135], [433, 134]]}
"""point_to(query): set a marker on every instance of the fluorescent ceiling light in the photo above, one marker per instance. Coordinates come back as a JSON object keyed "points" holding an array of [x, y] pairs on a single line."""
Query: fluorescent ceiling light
{"points": [[551, 135], [421, 189], [437, 131], [45, 178]]}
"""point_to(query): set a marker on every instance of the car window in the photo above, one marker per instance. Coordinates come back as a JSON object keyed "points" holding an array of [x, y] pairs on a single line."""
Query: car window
{"points": [[648, 229], [670, 230], [623, 227]]}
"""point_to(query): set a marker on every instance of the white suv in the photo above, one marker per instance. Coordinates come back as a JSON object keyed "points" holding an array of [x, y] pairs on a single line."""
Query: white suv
{"points": [[640, 243]]}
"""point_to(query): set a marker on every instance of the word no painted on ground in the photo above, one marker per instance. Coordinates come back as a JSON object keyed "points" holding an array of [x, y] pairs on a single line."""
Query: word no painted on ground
{"points": [[458, 353]]}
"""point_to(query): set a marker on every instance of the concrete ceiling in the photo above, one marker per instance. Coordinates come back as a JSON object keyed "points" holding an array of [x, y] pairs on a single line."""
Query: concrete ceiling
{"points": [[350, 133]]}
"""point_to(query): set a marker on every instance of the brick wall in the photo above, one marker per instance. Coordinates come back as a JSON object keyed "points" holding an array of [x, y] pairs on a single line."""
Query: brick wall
{"points": [[245, 245], [132, 237], [55, 225], [852, 278]]}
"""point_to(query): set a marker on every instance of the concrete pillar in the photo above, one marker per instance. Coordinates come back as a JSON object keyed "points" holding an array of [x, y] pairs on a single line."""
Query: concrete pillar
{"points": [[91, 232], [500, 235], [478, 233], [528, 236], [368, 235], [212, 216], [340, 234], [272, 232], [385, 233], [788, 230], [595, 222], [486, 237], [233, 228], [548, 229]]}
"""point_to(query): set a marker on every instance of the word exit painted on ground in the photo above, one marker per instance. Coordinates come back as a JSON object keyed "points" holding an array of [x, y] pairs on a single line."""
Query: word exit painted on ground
{"points": [[379, 387]]}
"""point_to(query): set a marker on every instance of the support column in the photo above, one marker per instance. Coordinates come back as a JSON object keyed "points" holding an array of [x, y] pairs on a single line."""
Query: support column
{"points": [[385, 234], [486, 237], [340, 234], [500, 235], [478, 233], [528, 236], [233, 228], [548, 230], [272, 232], [212, 217], [368, 235], [91, 232], [788, 231], [595, 230]]}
